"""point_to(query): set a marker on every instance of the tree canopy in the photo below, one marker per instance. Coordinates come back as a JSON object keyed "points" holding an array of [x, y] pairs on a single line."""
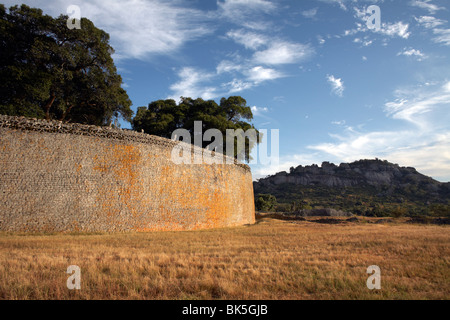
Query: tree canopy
{"points": [[49, 71], [163, 117], [265, 202]]}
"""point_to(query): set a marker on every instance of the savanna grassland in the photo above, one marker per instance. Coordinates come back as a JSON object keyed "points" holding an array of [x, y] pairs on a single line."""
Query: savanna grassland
{"points": [[272, 259]]}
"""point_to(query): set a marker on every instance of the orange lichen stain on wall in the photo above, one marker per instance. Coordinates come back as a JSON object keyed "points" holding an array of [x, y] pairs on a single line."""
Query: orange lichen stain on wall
{"points": [[218, 202], [4, 146], [201, 191], [121, 162], [246, 192]]}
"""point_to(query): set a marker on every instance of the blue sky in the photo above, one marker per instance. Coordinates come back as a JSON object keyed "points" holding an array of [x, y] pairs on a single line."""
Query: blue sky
{"points": [[337, 90]]}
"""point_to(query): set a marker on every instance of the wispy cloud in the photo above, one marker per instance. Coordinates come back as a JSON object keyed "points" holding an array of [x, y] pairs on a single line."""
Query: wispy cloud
{"points": [[398, 29], [363, 42], [425, 143], [443, 36], [430, 22], [139, 28], [283, 52], [337, 85], [238, 85], [416, 105], [390, 29], [262, 61], [427, 5], [410, 52], [341, 3], [270, 50], [310, 13], [192, 83], [246, 12], [258, 110], [286, 162], [226, 66], [259, 74], [249, 39]]}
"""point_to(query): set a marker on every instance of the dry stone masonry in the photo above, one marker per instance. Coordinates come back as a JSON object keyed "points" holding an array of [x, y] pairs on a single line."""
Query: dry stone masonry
{"points": [[58, 177]]}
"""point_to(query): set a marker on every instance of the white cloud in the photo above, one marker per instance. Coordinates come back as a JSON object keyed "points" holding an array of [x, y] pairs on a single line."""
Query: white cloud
{"points": [[398, 29], [270, 50], [365, 43], [246, 12], [191, 84], [427, 5], [285, 162], [250, 40], [430, 22], [282, 52], [337, 85], [412, 53], [226, 66], [258, 110], [233, 7], [309, 13], [443, 36], [259, 74], [424, 144], [338, 2], [139, 28], [415, 106], [237, 85]]}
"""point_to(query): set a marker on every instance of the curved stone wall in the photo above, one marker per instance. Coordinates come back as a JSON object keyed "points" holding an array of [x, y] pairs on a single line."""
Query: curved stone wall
{"points": [[71, 177]]}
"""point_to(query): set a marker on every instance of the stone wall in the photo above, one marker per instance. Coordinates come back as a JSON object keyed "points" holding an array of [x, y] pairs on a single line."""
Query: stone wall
{"points": [[71, 177]]}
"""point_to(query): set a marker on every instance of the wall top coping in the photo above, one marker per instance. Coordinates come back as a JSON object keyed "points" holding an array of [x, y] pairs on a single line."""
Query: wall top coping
{"points": [[54, 126]]}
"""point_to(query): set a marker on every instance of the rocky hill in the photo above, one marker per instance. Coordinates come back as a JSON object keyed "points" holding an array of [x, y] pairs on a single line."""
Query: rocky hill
{"points": [[361, 186]]}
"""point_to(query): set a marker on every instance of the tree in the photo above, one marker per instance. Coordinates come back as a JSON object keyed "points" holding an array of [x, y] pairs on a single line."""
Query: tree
{"points": [[163, 117], [265, 202], [49, 71], [399, 212], [439, 210]]}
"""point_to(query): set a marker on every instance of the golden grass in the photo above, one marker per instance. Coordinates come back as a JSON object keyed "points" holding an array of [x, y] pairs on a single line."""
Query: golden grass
{"points": [[270, 260]]}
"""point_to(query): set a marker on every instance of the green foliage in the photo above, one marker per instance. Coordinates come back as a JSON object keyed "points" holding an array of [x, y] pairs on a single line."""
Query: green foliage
{"points": [[163, 117], [265, 202], [361, 200], [283, 207], [49, 71], [439, 210], [398, 212]]}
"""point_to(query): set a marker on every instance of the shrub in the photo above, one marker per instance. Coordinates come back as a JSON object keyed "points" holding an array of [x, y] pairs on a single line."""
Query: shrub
{"points": [[265, 202]]}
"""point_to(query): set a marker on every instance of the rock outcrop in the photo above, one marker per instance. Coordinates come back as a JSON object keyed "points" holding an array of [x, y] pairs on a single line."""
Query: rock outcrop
{"points": [[360, 173]]}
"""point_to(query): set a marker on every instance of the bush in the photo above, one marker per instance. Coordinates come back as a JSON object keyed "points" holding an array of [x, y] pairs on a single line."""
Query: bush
{"points": [[439, 210], [265, 202], [283, 207], [399, 212]]}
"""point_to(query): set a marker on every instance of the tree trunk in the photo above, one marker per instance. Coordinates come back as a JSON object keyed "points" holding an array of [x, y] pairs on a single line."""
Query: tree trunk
{"points": [[66, 112], [49, 105]]}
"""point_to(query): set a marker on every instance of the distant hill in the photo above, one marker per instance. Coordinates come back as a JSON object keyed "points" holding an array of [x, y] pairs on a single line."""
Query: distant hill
{"points": [[367, 187]]}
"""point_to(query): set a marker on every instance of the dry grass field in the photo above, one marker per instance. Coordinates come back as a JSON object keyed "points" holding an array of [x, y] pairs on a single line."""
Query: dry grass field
{"points": [[272, 259]]}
